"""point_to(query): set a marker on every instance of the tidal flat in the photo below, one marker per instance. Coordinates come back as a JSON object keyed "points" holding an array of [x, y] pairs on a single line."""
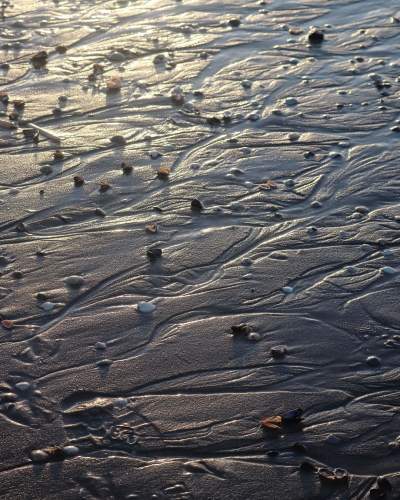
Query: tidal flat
{"points": [[199, 249]]}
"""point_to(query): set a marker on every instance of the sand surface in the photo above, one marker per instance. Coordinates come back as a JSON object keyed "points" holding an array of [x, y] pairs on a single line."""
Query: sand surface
{"points": [[265, 167]]}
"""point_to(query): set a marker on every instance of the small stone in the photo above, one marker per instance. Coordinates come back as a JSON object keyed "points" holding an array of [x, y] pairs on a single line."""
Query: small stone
{"points": [[316, 204], [293, 416], [373, 361], [70, 451], [151, 228], [293, 136], [278, 352], [163, 172], [39, 60], [291, 101], [214, 121], [387, 252], [113, 85], [48, 306], [235, 22], [154, 253], [307, 467], [299, 448], [78, 181], [58, 155], [20, 227], [332, 439], [287, 289], [126, 169], [196, 205], [61, 49], [39, 456], [246, 262], [146, 307], [8, 324], [254, 336], [74, 281], [120, 403], [17, 275], [240, 329], [361, 209], [377, 493], [42, 297], [104, 187], [100, 212], [118, 140], [19, 105], [23, 386], [315, 37], [246, 84], [154, 155], [46, 169], [384, 484], [388, 270], [104, 362]]}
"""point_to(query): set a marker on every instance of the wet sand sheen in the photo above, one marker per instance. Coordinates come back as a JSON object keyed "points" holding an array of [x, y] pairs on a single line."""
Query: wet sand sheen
{"points": [[199, 249]]}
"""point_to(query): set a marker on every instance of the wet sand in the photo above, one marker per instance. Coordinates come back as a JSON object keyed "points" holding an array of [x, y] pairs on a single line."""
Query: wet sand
{"points": [[199, 249]]}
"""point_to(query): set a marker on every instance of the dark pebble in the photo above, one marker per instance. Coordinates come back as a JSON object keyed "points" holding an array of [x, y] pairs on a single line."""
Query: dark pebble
{"points": [[315, 37], [119, 140], [196, 205], [299, 448], [19, 105], [58, 155], [241, 329], [293, 416], [79, 181], [384, 484], [377, 493], [4, 98], [278, 352], [235, 22], [373, 361], [307, 467], [214, 121], [104, 187], [126, 169], [17, 275], [29, 133], [42, 297], [99, 211], [154, 253], [61, 49], [39, 60]]}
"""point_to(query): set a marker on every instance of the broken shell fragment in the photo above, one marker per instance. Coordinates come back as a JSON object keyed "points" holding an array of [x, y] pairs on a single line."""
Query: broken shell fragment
{"points": [[163, 172], [272, 423], [151, 228], [113, 84]]}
